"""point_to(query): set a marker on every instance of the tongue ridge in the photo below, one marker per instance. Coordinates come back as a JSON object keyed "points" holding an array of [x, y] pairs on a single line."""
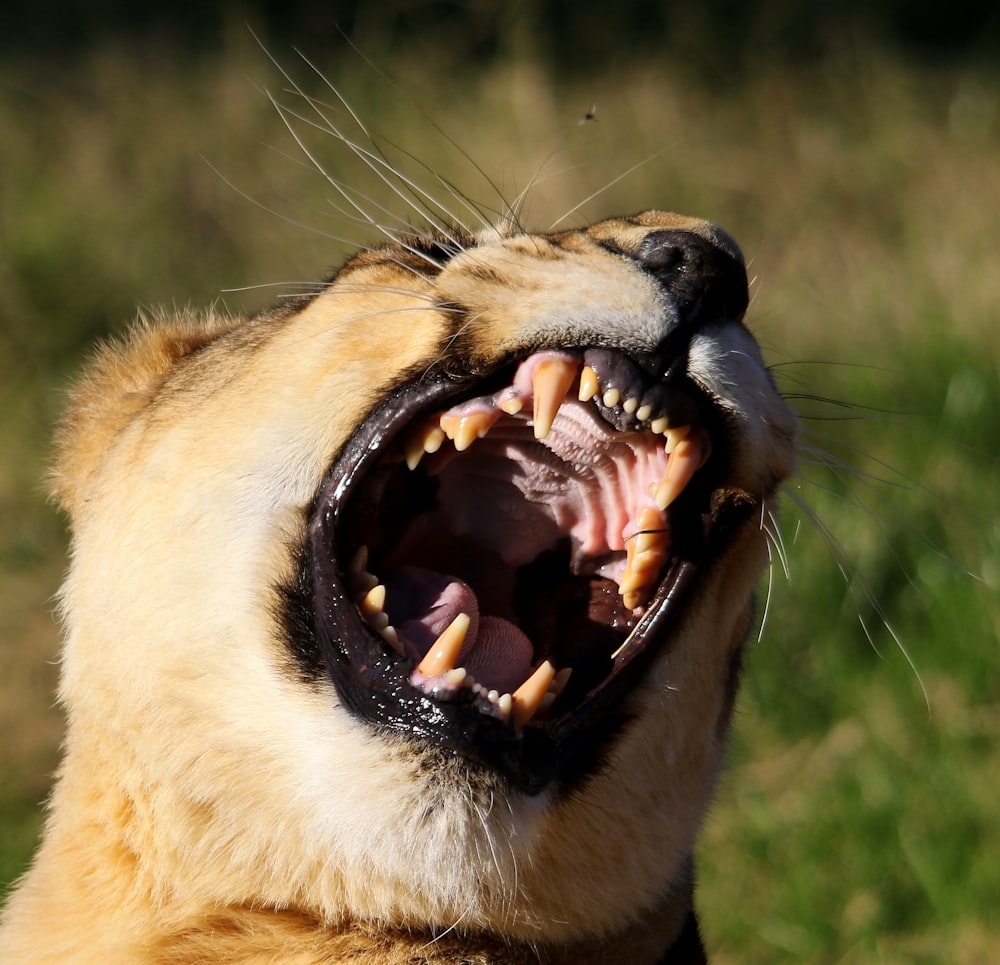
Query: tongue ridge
{"points": [[500, 657]]}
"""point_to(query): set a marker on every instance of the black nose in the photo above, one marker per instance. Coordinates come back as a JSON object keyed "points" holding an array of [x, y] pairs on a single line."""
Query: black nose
{"points": [[704, 281]]}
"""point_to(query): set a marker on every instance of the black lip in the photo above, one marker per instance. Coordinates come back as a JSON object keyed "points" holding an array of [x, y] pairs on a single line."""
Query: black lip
{"points": [[373, 681]]}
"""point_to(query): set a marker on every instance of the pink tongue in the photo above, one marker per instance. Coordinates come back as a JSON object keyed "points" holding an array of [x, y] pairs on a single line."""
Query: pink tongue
{"points": [[500, 658], [422, 603]]}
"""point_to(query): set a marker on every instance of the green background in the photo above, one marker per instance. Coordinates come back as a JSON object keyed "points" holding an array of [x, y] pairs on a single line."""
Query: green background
{"points": [[853, 150]]}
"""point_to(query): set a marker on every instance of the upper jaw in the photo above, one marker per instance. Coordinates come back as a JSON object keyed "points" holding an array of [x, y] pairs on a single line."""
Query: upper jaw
{"points": [[657, 532]]}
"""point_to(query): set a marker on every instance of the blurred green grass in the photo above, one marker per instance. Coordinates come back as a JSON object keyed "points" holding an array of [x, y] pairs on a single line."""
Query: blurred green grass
{"points": [[858, 820]]}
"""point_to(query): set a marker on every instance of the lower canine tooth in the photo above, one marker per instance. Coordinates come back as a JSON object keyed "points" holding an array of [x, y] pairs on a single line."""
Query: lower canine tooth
{"points": [[444, 652], [646, 554], [529, 695], [550, 382]]}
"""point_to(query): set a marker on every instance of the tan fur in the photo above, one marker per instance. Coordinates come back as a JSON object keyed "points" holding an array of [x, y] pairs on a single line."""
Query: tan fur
{"points": [[213, 807]]}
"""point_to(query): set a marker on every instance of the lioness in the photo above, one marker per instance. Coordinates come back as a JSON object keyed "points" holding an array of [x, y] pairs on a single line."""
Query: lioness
{"points": [[404, 621]]}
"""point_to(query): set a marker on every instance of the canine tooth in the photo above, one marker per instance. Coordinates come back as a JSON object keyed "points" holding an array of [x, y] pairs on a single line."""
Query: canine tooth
{"points": [[529, 695], [550, 382], [646, 552], [444, 652], [589, 386], [630, 404], [674, 436], [504, 704], [658, 425], [644, 412], [687, 458], [611, 398]]}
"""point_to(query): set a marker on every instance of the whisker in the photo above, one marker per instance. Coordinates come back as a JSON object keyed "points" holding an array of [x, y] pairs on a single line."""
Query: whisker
{"points": [[434, 126], [606, 187], [854, 583]]}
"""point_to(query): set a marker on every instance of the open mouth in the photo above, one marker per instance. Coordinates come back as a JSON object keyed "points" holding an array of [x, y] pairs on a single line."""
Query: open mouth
{"points": [[494, 562]]}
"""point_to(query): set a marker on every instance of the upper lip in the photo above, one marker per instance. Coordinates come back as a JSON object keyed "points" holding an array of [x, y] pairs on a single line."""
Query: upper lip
{"points": [[392, 679]]}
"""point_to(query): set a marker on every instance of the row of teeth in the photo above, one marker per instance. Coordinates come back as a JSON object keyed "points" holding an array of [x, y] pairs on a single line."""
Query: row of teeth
{"points": [[439, 666], [647, 540], [552, 379]]}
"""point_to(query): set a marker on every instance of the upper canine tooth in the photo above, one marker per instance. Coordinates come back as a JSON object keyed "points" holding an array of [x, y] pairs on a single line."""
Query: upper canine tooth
{"points": [[529, 695], [444, 652], [589, 386], [550, 381]]}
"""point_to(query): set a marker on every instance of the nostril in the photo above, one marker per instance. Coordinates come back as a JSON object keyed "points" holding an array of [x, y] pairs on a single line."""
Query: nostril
{"points": [[705, 281], [658, 254]]}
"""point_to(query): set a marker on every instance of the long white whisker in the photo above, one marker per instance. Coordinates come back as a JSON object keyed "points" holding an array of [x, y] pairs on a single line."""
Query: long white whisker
{"points": [[419, 200], [606, 187], [427, 201], [851, 580], [462, 152]]}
